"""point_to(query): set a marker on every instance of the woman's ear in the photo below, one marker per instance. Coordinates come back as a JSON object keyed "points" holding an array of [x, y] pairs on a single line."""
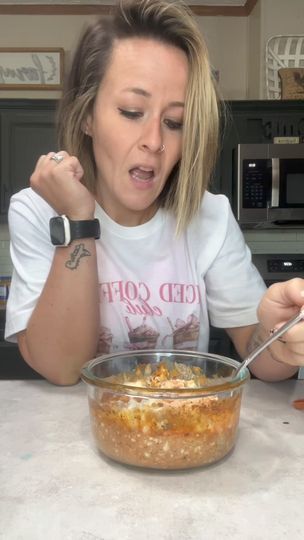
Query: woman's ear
{"points": [[87, 126]]}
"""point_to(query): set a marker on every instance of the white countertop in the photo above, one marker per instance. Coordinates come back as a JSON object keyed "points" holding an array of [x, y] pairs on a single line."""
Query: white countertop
{"points": [[54, 485]]}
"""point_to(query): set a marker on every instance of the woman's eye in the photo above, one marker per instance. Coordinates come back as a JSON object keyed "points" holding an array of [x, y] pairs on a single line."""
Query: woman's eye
{"points": [[173, 124], [133, 115]]}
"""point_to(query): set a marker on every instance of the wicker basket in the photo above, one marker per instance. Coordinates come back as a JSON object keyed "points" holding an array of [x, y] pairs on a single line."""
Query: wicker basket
{"points": [[282, 52], [292, 83]]}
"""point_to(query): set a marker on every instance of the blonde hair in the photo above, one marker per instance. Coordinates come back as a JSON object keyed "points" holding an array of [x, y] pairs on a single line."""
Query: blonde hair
{"points": [[170, 22]]}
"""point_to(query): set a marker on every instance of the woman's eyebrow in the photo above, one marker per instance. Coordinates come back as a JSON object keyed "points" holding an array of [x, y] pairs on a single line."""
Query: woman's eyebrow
{"points": [[142, 92]]}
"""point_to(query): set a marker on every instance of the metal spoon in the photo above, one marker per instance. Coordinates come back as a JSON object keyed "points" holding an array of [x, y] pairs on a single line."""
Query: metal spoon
{"points": [[278, 333]]}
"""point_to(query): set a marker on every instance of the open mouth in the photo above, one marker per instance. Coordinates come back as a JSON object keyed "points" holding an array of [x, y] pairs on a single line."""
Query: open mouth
{"points": [[141, 174]]}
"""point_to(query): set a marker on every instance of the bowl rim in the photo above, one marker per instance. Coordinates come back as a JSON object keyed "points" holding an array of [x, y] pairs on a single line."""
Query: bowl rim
{"points": [[229, 384]]}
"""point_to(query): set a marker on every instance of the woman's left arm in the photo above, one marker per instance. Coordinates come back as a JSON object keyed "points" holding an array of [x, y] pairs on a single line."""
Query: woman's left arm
{"points": [[281, 360]]}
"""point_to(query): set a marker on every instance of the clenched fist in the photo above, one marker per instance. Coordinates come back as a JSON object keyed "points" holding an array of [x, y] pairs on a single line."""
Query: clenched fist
{"points": [[59, 184]]}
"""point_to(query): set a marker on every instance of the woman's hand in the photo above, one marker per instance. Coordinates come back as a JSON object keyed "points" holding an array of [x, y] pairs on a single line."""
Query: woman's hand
{"points": [[59, 184], [281, 302]]}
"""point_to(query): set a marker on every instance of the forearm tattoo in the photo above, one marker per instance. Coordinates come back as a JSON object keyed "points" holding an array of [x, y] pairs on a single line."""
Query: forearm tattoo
{"points": [[77, 254]]}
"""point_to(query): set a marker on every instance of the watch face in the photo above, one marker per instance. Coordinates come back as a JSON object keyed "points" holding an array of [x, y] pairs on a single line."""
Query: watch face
{"points": [[57, 231], [63, 231]]}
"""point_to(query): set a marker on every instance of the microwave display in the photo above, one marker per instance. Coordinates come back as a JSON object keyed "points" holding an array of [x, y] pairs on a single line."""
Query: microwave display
{"points": [[270, 184]]}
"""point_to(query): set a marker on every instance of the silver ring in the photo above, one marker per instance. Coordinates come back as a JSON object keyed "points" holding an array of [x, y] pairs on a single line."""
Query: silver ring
{"points": [[57, 157], [162, 149]]}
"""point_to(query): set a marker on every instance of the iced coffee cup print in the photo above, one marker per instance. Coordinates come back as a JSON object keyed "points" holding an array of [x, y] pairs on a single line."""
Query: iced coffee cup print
{"points": [[105, 340], [141, 337], [184, 334]]}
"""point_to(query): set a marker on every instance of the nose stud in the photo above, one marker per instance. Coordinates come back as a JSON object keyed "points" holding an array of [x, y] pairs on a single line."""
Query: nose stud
{"points": [[162, 149]]}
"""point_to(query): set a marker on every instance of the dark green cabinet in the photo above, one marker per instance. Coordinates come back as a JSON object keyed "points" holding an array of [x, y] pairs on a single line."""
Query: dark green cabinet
{"points": [[12, 365], [27, 130]]}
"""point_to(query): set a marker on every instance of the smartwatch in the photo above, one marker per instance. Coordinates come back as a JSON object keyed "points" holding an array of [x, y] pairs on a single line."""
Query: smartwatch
{"points": [[63, 230]]}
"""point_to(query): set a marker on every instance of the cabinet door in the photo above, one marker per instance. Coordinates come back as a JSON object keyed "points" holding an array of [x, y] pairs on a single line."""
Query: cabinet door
{"points": [[12, 365], [25, 135]]}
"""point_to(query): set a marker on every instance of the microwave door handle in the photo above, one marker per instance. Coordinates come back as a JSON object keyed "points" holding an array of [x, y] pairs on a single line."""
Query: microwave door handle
{"points": [[275, 191]]}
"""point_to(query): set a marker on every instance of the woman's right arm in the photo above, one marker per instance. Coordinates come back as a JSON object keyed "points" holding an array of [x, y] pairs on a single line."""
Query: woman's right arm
{"points": [[62, 332]]}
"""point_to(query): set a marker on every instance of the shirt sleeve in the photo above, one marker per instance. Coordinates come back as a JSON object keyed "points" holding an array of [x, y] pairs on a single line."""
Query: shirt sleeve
{"points": [[234, 286], [31, 253]]}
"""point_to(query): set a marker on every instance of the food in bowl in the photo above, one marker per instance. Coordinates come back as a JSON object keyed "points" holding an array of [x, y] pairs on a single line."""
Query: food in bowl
{"points": [[164, 409]]}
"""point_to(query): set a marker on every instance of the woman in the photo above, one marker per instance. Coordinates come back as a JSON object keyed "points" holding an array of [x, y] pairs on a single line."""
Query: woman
{"points": [[138, 128]]}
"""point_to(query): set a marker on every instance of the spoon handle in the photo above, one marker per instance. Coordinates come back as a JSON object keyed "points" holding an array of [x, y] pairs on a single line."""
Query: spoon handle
{"points": [[277, 333]]}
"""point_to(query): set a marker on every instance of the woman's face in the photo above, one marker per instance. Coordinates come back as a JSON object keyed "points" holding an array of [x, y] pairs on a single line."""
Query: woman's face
{"points": [[139, 107]]}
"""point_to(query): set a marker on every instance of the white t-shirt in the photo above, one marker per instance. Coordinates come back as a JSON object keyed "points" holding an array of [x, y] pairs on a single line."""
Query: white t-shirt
{"points": [[156, 289]]}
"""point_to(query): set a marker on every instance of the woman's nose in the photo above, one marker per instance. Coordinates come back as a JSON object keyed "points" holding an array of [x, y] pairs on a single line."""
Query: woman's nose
{"points": [[152, 137]]}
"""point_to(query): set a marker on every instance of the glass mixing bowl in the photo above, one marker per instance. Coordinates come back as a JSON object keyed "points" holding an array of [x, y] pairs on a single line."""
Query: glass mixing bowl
{"points": [[164, 409]]}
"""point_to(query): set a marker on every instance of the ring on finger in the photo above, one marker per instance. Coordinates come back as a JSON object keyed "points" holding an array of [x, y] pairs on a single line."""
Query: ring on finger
{"points": [[57, 157]]}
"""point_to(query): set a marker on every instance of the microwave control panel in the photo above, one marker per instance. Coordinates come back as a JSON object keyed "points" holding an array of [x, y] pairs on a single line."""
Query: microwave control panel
{"points": [[256, 183]]}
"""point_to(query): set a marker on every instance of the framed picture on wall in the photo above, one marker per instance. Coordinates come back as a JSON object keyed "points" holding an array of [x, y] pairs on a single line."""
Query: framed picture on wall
{"points": [[31, 68]]}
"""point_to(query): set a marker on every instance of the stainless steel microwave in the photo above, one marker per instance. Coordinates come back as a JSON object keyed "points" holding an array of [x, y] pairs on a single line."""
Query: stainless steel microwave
{"points": [[270, 184]]}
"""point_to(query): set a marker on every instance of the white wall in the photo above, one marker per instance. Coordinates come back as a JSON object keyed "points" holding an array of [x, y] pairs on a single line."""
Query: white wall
{"points": [[226, 39], [253, 60], [282, 17], [40, 31], [225, 36], [278, 17], [236, 44]]}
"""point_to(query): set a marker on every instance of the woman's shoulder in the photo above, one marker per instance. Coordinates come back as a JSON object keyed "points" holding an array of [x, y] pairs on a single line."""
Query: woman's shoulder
{"points": [[213, 203], [27, 196], [30, 203], [213, 224], [213, 214]]}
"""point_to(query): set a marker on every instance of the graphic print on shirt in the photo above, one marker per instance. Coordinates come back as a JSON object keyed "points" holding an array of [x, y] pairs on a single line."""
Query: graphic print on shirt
{"points": [[105, 340], [185, 333], [151, 296], [141, 337], [148, 317]]}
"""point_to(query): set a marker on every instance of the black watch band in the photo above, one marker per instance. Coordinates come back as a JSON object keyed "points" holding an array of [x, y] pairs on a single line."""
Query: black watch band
{"points": [[87, 228], [63, 230]]}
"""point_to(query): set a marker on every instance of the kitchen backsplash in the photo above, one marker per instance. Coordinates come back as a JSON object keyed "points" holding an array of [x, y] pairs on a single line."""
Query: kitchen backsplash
{"points": [[279, 241], [5, 260]]}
